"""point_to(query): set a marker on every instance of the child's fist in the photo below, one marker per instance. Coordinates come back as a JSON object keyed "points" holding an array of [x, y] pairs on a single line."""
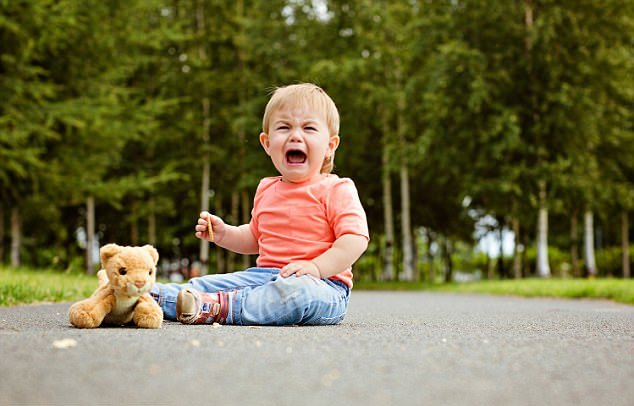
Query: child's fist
{"points": [[209, 227]]}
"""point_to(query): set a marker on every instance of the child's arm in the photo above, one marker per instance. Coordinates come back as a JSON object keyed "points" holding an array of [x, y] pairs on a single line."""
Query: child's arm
{"points": [[237, 239], [343, 253]]}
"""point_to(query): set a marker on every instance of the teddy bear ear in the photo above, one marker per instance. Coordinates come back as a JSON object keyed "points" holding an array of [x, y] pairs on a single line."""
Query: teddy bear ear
{"points": [[153, 253], [108, 251]]}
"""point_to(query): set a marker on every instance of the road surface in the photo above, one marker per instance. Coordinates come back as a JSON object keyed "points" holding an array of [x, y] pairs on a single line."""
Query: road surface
{"points": [[411, 348]]}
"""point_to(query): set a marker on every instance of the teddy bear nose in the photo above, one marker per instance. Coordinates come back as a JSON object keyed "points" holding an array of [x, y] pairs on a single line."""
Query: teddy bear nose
{"points": [[139, 284]]}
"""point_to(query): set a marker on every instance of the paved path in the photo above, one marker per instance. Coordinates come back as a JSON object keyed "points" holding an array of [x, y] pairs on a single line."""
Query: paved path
{"points": [[392, 349]]}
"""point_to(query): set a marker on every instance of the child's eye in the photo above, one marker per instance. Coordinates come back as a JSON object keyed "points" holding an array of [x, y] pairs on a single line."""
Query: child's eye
{"points": [[282, 127], [311, 128], [122, 271]]}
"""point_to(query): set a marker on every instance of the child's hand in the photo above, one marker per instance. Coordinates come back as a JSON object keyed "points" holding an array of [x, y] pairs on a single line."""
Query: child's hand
{"points": [[300, 268], [217, 227]]}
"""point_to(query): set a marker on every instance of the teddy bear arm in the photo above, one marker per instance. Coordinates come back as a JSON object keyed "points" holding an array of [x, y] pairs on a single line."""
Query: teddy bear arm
{"points": [[90, 312], [102, 278], [147, 313]]}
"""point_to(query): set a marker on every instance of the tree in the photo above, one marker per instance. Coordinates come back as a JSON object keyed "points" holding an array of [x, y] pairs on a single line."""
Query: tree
{"points": [[24, 90], [476, 109]]}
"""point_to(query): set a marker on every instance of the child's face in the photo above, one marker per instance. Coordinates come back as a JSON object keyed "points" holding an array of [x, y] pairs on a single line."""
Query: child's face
{"points": [[297, 142]]}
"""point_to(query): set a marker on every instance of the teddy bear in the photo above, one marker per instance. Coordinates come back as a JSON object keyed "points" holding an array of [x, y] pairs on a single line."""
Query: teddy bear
{"points": [[122, 296]]}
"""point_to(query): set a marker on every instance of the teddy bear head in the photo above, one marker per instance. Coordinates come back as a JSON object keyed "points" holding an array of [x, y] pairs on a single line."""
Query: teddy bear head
{"points": [[131, 270]]}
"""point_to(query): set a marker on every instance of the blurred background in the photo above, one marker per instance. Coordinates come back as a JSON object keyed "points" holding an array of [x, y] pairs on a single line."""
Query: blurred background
{"points": [[487, 139]]}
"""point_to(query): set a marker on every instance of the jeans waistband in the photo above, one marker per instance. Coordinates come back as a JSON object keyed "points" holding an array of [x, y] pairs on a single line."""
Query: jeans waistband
{"points": [[341, 285]]}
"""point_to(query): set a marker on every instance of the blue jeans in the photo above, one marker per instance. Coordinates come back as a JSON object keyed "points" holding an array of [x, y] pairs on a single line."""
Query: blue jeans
{"points": [[260, 296]]}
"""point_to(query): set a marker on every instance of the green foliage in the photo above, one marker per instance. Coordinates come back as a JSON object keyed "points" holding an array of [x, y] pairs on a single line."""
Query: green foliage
{"points": [[559, 261], [468, 260], [105, 99], [609, 261]]}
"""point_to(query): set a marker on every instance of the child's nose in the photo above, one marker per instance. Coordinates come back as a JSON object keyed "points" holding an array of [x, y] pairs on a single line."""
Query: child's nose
{"points": [[296, 135]]}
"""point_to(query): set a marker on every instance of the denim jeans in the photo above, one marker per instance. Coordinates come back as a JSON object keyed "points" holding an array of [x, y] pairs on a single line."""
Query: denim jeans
{"points": [[260, 296]]}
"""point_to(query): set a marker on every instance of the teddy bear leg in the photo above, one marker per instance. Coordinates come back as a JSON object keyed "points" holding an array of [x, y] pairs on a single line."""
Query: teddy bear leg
{"points": [[147, 313], [89, 313]]}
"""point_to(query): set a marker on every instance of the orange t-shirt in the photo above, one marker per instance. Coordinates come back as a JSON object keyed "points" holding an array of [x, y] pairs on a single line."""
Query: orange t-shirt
{"points": [[300, 221]]}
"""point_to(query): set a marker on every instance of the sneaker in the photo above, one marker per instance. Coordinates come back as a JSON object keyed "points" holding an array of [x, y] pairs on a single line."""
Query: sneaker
{"points": [[193, 307]]}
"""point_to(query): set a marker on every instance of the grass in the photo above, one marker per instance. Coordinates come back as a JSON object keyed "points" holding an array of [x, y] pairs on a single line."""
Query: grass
{"points": [[618, 290], [24, 286]]}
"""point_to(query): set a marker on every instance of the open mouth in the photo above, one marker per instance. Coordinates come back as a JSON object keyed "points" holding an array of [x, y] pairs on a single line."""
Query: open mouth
{"points": [[295, 157]]}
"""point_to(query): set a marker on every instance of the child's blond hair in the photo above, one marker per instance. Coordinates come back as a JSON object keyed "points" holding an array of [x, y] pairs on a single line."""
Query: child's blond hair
{"points": [[309, 96]]}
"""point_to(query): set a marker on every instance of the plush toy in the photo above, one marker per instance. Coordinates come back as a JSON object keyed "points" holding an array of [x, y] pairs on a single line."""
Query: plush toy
{"points": [[122, 296]]}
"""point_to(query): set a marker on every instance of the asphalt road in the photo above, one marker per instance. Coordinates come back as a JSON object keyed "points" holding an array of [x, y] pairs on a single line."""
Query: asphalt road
{"points": [[392, 349]]}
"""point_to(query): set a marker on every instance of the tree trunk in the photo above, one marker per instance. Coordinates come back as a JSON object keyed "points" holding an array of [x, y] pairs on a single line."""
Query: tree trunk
{"points": [[151, 224], [246, 215], [543, 267], [490, 274], [526, 266], [204, 199], [16, 236], [501, 270], [588, 238], [205, 135], [528, 22], [388, 215], [625, 244], [415, 253], [1, 234], [407, 273], [430, 257], [90, 234], [242, 101], [235, 207], [134, 226], [574, 245], [220, 252], [447, 250], [517, 262]]}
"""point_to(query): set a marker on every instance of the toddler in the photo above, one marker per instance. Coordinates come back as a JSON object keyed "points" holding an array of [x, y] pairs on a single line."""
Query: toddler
{"points": [[307, 226]]}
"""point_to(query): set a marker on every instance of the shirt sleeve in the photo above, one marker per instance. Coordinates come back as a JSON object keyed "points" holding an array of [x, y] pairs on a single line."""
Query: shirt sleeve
{"points": [[253, 224], [345, 212]]}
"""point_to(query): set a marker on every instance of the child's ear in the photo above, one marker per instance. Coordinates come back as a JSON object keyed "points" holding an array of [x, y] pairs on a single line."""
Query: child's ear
{"points": [[264, 140], [333, 143]]}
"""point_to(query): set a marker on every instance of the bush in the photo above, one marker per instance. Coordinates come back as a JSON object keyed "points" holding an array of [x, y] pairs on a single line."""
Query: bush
{"points": [[559, 260], [610, 261]]}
